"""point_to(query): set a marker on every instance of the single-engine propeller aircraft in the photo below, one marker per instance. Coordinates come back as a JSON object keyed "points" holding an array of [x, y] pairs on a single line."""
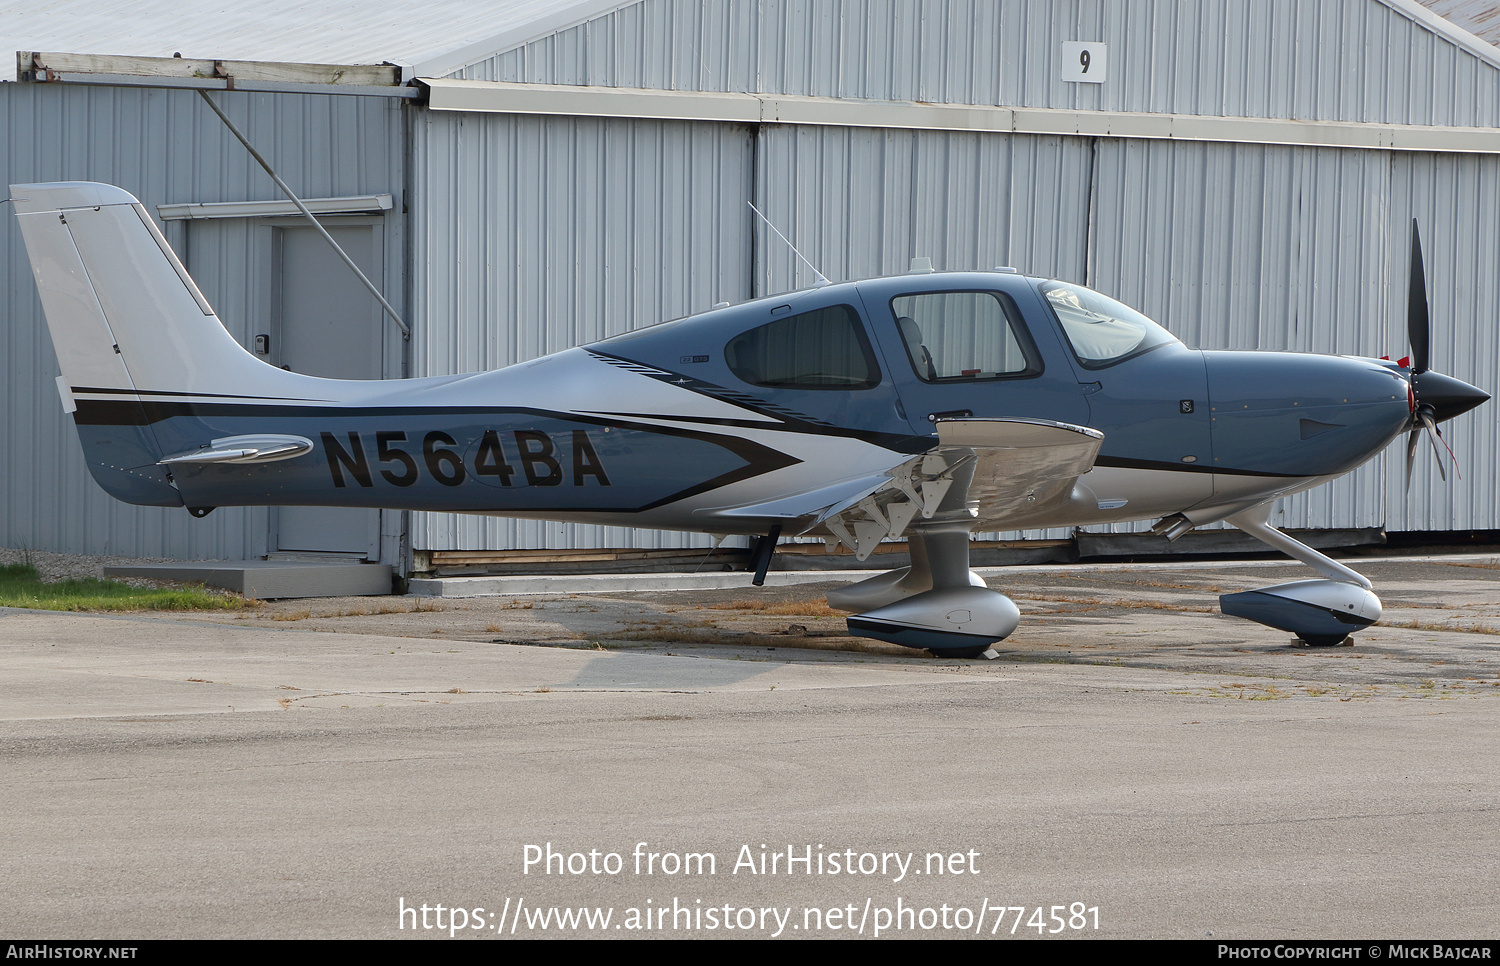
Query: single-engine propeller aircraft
{"points": [[927, 406]]}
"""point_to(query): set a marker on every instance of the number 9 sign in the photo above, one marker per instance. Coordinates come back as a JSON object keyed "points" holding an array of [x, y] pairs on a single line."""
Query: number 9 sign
{"points": [[1083, 62]]}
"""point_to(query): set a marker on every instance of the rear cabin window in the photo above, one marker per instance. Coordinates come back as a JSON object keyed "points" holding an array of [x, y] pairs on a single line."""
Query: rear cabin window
{"points": [[825, 349]]}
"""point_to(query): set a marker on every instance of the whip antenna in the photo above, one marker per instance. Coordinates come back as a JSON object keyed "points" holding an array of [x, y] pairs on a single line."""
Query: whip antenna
{"points": [[822, 280]]}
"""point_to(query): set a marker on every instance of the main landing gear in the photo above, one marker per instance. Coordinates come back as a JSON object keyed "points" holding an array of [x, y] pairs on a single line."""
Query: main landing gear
{"points": [[937, 603]]}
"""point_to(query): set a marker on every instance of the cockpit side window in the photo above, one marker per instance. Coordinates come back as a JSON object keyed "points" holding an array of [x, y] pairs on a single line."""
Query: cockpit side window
{"points": [[823, 349], [1101, 330], [961, 336]]}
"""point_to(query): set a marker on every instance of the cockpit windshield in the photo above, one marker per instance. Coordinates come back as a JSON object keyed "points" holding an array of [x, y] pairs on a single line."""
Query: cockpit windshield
{"points": [[1101, 330]]}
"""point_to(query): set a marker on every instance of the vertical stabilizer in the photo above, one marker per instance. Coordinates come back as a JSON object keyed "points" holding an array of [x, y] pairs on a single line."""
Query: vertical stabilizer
{"points": [[125, 320], [123, 313], [81, 333]]}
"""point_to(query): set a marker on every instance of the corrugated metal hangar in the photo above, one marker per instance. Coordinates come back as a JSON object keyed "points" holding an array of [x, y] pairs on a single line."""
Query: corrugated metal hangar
{"points": [[522, 176]]}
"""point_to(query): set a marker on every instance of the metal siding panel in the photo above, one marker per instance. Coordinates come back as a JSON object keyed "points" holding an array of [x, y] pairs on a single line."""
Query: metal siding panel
{"points": [[865, 202], [1461, 243], [1246, 54]]}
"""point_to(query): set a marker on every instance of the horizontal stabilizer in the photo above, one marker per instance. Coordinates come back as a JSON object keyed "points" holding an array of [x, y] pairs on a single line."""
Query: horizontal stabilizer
{"points": [[245, 449]]}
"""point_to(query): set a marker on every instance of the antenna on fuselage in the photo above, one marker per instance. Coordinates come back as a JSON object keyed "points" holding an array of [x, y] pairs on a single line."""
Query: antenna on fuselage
{"points": [[822, 279]]}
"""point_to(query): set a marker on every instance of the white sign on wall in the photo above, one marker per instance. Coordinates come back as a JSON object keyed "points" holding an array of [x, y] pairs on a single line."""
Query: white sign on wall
{"points": [[1083, 62]]}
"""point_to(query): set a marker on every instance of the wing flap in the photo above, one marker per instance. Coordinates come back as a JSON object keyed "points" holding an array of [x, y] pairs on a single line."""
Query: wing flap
{"points": [[810, 506]]}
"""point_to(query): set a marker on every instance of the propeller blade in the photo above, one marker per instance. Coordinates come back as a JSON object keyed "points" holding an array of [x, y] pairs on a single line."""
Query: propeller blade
{"points": [[1434, 396], [1411, 454], [1418, 325], [1432, 437]]}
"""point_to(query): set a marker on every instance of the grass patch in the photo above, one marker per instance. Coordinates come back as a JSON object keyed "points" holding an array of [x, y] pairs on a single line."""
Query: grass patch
{"points": [[22, 586], [1203, 588]]}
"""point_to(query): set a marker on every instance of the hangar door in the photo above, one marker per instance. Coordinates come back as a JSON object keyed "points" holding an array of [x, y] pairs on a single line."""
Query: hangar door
{"points": [[325, 323]]}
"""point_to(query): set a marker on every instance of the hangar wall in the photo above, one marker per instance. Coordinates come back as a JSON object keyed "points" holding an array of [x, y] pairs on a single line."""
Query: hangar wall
{"points": [[1461, 238], [1333, 60], [1232, 246], [866, 200], [1242, 246], [650, 221], [164, 146]]}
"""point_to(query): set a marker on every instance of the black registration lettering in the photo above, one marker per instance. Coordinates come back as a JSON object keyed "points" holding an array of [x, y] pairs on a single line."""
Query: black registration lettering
{"points": [[340, 459], [533, 459], [537, 453], [490, 458], [586, 461], [445, 465], [386, 454]]}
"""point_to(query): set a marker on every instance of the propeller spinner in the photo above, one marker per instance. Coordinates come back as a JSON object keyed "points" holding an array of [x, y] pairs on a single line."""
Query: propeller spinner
{"points": [[1435, 397]]}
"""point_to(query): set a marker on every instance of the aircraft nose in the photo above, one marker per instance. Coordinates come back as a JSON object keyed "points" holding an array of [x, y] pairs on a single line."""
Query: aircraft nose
{"points": [[1298, 414], [1447, 396]]}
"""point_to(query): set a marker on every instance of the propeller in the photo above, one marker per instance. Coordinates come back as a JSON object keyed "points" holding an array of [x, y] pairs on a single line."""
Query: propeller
{"points": [[1434, 396]]}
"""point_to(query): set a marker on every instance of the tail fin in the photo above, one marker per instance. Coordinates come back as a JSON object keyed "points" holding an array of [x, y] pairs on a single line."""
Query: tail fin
{"points": [[123, 312], [127, 322]]}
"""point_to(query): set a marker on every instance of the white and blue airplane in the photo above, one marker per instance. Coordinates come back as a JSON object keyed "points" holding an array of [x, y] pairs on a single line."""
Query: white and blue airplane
{"points": [[924, 406]]}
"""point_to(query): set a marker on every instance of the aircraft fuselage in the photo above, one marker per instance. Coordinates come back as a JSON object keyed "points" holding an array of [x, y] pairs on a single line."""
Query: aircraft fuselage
{"points": [[664, 425]]}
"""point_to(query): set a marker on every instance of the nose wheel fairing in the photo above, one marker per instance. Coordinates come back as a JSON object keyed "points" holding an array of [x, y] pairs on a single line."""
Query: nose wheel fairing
{"points": [[1322, 611], [1317, 611]]}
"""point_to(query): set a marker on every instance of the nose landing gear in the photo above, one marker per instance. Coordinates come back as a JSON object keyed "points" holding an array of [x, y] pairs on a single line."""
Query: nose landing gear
{"points": [[1322, 613]]}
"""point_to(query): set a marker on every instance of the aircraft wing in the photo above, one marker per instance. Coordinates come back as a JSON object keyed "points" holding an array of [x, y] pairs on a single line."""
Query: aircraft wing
{"points": [[1022, 466], [985, 474]]}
